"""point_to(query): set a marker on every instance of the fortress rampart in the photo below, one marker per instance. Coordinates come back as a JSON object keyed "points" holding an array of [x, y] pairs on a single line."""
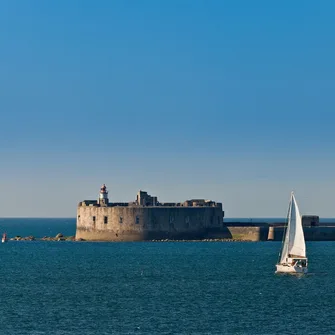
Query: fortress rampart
{"points": [[148, 219]]}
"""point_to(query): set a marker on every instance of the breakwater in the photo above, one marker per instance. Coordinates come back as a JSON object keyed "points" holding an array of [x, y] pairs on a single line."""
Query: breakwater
{"points": [[58, 237], [273, 231]]}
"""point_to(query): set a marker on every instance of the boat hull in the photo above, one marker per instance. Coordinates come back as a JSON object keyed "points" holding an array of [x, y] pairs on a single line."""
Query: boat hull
{"points": [[288, 268]]}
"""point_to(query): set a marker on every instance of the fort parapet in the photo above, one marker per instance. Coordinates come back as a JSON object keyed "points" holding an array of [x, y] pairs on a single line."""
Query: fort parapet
{"points": [[148, 219]]}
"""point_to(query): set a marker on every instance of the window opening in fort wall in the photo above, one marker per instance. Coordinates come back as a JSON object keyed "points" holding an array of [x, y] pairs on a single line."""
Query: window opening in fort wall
{"points": [[146, 218]]}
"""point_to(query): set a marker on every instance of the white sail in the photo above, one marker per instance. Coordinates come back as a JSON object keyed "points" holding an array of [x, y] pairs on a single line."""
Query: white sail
{"points": [[294, 242], [284, 252]]}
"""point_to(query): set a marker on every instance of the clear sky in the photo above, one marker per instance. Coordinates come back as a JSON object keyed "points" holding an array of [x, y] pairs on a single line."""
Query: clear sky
{"points": [[227, 100]]}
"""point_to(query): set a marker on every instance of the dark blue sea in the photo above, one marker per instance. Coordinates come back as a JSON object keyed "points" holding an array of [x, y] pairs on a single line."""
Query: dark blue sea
{"points": [[158, 288]]}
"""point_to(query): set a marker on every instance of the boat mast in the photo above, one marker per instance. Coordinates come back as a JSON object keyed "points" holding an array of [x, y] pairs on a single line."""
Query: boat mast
{"points": [[285, 230]]}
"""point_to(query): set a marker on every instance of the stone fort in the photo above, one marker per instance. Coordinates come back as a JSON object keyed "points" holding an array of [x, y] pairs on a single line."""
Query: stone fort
{"points": [[147, 219]]}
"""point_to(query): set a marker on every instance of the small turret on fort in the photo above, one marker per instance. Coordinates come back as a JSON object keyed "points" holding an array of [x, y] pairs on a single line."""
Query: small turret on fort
{"points": [[146, 219]]}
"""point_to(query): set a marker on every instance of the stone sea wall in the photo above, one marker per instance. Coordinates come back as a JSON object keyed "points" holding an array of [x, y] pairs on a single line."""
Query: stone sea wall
{"points": [[275, 233], [138, 223]]}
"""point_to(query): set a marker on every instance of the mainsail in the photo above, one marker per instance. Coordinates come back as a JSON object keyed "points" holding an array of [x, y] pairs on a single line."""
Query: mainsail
{"points": [[294, 243]]}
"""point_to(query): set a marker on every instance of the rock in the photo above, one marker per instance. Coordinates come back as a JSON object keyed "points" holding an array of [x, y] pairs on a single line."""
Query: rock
{"points": [[70, 238], [46, 238], [58, 236]]}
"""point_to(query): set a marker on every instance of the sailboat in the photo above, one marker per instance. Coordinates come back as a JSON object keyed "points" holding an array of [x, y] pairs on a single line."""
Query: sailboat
{"points": [[292, 258], [4, 238]]}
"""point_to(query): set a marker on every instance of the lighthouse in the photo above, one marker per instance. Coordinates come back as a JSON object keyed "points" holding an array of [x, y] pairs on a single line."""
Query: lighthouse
{"points": [[103, 196]]}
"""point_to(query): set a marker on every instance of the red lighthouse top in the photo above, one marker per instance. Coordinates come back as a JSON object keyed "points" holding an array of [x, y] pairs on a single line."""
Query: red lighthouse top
{"points": [[103, 189]]}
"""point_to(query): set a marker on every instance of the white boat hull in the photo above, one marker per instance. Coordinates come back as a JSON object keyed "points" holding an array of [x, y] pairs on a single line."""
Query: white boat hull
{"points": [[288, 268]]}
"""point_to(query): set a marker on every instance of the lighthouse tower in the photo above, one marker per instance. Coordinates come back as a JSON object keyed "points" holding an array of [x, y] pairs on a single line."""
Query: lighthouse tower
{"points": [[103, 196]]}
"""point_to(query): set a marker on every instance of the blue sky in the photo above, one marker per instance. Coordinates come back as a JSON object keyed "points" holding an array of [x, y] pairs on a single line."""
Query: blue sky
{"points": [[227, 100]]}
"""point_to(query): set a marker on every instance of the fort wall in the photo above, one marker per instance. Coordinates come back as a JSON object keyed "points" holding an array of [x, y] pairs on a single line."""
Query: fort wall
{"points": [[275, 233], [249, 233], [135, 223]]}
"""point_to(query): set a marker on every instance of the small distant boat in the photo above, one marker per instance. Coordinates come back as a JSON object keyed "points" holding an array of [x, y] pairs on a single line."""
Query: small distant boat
{"points": [[292, 258], [4, 238]]}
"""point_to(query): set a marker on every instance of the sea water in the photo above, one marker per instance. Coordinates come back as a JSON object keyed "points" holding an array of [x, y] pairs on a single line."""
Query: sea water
{"points": [[161, 288]]}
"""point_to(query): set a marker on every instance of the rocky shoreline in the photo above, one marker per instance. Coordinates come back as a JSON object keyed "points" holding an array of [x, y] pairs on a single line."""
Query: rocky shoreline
{"points": [[58, 237], [61, 237], [205, 240]]}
